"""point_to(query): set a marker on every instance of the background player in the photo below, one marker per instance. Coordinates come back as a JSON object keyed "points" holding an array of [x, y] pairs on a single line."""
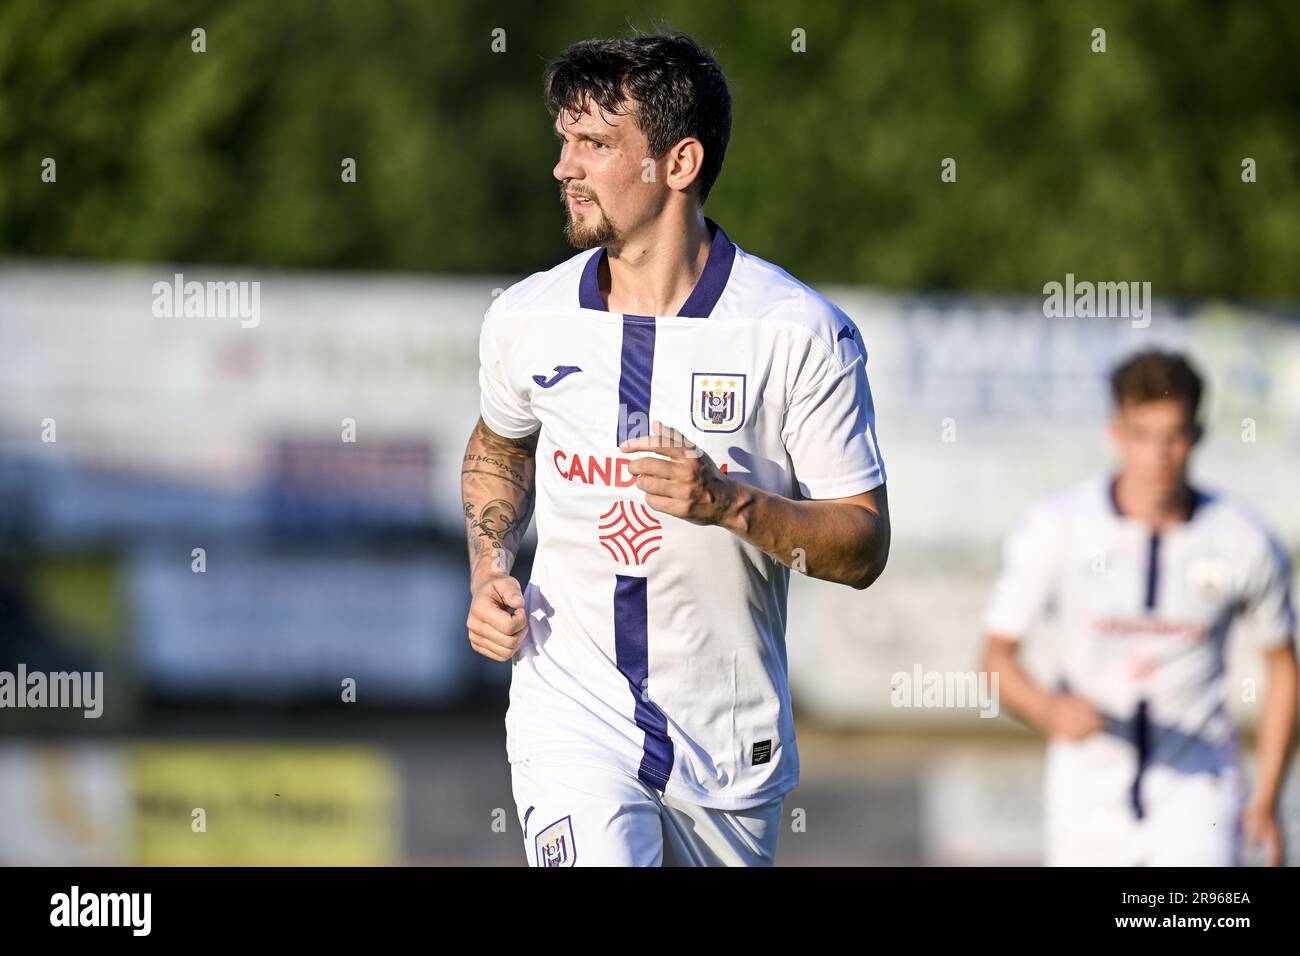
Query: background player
{"points": [[650, 718], [1146, 573]]}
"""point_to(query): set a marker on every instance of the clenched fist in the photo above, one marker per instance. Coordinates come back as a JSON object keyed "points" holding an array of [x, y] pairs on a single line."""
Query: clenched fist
{"points": [[497, 623]]}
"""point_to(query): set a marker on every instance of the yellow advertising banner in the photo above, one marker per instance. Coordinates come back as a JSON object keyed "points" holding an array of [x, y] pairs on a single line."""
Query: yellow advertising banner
{"points": [[264, 805]]}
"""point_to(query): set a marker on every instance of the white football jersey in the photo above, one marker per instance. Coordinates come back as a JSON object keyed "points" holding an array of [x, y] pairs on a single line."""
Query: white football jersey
{"points": [[657, 645], [1144, 618]]}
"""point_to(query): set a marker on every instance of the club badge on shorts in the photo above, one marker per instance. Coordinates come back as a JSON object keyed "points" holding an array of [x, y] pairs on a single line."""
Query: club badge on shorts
{"points": [[717, 401], [554, 845]]}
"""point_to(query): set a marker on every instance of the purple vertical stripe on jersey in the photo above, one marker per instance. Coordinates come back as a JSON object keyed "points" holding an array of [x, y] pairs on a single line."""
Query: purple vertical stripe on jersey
{"points": [[1142, 740], [1153, 570], [634, 379], [631, 637], [632, 655]]}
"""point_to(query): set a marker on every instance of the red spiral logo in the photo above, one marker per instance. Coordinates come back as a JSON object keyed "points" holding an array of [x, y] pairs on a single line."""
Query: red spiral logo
{"points": [[629, 532]]}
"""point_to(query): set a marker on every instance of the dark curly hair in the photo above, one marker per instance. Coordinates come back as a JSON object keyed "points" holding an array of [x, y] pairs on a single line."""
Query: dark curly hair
{"points": [[1154, 374], [675, 87]]}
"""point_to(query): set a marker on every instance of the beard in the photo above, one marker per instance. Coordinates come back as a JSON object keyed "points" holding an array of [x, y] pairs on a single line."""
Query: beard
{"points": [[588, 236]]}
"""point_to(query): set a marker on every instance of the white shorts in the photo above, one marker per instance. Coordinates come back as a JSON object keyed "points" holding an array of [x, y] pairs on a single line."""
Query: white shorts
{"points": [[578, 814], [1092, 812]]}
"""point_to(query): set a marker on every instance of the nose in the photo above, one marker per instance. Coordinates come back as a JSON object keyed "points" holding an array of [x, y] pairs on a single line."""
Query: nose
{"points": [[566, 168]]}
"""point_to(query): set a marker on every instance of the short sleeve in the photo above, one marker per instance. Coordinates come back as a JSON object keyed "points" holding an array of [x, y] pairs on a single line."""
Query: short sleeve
{"points": [[1027, 580], [504, 408], [830, 432], [1268, 615]]}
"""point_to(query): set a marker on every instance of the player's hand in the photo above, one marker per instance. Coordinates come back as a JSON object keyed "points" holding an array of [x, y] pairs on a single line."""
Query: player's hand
{"points": [[1259, 826], [685, 482], [1071, 717], [497, 623]]}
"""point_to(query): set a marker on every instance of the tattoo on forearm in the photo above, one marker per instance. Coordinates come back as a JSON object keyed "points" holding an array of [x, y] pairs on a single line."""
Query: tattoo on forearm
{"points": [[497, 521], [505, 470], [496, 517], [495, 474]]}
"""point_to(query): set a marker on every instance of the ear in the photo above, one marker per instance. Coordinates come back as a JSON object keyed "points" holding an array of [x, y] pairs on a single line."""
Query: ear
{"points": [[686, 160]]}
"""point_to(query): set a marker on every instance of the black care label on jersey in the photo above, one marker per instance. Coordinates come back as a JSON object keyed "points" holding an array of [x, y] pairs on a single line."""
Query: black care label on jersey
{"points": [[762, 752]]}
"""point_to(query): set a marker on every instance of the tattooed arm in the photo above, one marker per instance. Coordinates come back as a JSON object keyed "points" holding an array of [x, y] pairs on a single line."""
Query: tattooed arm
{"points": [[497, 491]]}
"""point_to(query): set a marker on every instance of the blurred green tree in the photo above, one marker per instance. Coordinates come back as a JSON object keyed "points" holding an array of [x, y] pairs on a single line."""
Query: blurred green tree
{"points": [[1117, 165]]}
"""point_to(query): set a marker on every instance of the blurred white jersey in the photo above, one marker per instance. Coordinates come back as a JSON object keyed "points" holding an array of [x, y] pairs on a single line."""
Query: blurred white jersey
{"points": [[1144, 619], [655, 645]]}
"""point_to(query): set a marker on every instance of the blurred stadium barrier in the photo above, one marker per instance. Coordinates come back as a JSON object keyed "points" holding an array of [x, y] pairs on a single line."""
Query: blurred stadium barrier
{"points": [[326, 557]]}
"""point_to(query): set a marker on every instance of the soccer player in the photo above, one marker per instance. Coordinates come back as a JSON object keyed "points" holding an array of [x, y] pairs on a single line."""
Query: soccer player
{"points": [[693, 422], [1146, 573]]}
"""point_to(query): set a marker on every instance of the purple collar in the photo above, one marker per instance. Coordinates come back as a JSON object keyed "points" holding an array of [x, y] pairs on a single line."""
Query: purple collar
{"points": [[705, 295], [1199, 498]]}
